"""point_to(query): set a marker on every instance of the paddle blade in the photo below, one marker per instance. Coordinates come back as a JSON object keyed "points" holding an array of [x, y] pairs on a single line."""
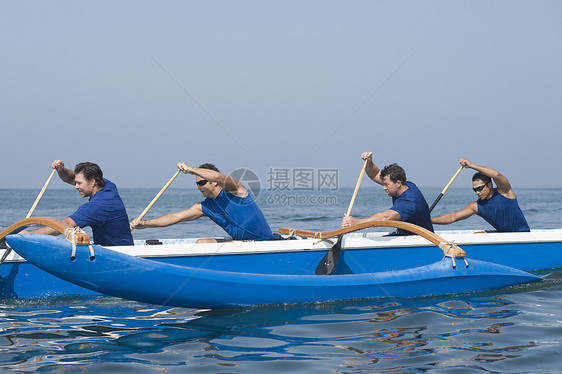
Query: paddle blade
{"points": [[435, 202], [329, 262]]}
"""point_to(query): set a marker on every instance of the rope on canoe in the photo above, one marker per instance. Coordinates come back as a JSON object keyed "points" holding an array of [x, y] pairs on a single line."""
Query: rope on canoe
{"points": [[452, 250], [76, 235]]}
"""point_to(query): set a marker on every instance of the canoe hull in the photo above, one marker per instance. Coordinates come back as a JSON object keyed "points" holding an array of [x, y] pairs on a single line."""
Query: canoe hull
{"points": [[23, 280], [156, 282]]}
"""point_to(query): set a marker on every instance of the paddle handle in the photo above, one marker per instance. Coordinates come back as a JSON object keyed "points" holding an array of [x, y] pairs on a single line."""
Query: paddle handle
{"points": [[356, 189], [40, 194], [445, 189], [158, 195], [31, 210]]}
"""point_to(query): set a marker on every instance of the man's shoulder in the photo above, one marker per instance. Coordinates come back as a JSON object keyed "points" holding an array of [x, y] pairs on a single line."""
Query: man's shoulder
{"points": [[412, 190], [107, 195], [109, 184], [208, 202], [412, 185]]}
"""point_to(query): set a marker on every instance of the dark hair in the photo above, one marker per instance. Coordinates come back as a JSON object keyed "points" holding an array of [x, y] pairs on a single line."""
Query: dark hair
{"points": [[394, 172], [209, 167], [90, 171], [479, 176]]}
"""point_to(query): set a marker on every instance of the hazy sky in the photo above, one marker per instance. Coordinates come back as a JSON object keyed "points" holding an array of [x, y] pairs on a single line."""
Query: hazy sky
{"points": [[137, 86]]}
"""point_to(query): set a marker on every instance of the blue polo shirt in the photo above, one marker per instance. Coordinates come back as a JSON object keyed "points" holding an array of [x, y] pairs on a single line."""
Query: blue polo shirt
{"points": [[105, 213], [240, 217], [413, 208]]}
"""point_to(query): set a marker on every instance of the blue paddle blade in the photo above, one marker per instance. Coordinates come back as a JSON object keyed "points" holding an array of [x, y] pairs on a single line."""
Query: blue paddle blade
{"points": [[329, 262]]}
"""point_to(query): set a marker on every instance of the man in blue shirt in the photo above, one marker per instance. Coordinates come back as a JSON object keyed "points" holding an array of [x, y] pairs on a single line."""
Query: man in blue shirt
{"points": [[104, 212], [409, 205], [498, 206], [227, 203]]}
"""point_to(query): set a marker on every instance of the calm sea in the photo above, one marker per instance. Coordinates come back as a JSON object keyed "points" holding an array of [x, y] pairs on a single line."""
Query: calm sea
{"points": [[518, 330]]}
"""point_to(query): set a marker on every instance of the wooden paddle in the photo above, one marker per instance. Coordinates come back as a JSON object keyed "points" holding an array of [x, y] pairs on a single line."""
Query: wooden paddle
{"points": [[40, 194], [329, 262], [31, 210], [158, 195], [445, 189]]}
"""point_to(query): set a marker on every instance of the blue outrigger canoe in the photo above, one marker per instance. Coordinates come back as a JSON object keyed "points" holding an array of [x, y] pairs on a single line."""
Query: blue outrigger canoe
{"points": [[233, 274]]}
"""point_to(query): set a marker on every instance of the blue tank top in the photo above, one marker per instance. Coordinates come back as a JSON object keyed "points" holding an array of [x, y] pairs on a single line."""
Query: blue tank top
{"points": [[502, 213], [413, 208], [240, 217]]}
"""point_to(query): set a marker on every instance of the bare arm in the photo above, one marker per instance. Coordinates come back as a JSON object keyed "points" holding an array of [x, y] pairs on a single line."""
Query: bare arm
{"points": [[66, 175], [67, 222], [170, 219], [371, 169], [504, 187], [445, 219], [231, 184], [387, 215]]}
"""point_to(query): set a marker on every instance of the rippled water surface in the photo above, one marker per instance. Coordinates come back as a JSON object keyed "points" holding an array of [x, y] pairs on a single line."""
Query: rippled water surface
{"points": [[513, 330]]}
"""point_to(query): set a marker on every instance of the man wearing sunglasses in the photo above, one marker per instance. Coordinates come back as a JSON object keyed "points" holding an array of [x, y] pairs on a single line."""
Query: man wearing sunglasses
{"points": [[227, 203], [498, 206]]}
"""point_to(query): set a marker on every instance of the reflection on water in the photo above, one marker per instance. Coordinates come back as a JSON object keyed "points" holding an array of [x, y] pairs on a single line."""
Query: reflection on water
{"points": [[516, 330], [95, 333]]}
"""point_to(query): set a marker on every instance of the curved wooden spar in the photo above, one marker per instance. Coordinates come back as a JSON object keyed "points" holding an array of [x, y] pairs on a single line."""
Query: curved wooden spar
{"points": [[44, 221], [431, 236]]}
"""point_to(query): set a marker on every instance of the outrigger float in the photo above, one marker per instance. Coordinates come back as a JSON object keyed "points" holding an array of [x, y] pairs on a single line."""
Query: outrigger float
{"points": [[242, 273]]}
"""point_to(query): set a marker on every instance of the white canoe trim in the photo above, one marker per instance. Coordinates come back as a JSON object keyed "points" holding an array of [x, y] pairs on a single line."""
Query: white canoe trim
{"points": [[362, 240]]}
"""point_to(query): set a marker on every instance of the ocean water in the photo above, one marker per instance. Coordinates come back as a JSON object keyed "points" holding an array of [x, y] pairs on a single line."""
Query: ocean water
{"points": [[516, 330]]}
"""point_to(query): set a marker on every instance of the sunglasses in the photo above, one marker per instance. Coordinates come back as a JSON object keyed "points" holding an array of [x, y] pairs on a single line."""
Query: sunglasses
{"points": [[202, 182], [479, 188]]}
